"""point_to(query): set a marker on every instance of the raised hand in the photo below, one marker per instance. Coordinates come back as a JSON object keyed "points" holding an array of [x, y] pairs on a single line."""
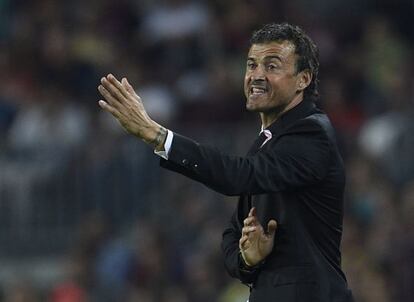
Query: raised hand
{"points": [[126, 106], [256, 244]]}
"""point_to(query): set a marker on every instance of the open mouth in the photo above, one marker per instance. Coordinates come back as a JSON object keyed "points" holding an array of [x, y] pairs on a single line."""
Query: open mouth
{"points": [[257, 91]]}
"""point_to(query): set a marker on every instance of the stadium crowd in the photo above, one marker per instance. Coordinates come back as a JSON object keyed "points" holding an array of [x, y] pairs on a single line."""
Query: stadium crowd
{"points": [[75, 187]]}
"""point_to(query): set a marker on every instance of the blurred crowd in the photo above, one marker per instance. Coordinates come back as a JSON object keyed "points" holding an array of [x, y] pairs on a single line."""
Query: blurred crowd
{"points": [[75, 187]]}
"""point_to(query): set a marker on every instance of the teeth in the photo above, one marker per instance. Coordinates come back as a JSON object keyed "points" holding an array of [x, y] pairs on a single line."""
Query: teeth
{"points": [[258, 90]]}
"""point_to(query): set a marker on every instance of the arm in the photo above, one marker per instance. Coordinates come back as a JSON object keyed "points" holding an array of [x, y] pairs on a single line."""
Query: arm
{"points": [[299, 158]]}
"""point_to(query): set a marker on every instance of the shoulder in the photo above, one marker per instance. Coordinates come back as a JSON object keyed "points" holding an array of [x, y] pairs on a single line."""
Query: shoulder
{"points": [[315, 123]]}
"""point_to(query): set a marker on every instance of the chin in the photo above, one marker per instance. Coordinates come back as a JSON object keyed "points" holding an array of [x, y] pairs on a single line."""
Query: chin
{"points": [[254, 106], [251, 107]]}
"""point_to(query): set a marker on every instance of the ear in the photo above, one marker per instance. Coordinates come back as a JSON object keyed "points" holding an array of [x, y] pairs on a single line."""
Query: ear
{"points": [[304, 78]]}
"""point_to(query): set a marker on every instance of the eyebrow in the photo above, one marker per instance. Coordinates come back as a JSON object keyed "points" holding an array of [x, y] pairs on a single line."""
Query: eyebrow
{"points": [[266, 58]]}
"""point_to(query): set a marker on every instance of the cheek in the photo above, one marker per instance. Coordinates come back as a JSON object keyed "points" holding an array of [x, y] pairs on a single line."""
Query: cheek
{"points": [[246, 80], [246, 84], [283, 86], [281, 92]]}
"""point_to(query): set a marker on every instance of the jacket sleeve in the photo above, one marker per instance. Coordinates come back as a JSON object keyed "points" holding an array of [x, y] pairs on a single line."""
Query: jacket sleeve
{"points": [[299, 158]]}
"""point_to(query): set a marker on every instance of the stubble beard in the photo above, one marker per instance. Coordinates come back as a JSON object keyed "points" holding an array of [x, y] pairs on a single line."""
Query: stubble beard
{"points": [[266, 110]]}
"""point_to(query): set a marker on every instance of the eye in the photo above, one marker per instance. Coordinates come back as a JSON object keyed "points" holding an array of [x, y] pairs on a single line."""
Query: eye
{"points": [[251, 65], [272, 66]]}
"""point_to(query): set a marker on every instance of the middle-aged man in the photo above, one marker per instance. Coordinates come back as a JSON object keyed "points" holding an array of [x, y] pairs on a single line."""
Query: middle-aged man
{"points": [[284, 237]]}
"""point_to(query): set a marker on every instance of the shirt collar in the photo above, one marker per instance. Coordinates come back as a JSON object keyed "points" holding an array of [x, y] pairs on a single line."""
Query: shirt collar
{"points": [[268, 135]]}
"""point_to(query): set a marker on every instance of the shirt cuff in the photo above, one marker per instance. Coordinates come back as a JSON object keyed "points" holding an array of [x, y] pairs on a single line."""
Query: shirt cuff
{"points": [[167, 146]]}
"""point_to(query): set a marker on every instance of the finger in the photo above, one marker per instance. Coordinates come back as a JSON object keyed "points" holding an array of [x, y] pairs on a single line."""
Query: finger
{"points": [[250, 221], [252, 212], [131, 90], [128, 86], [271, 228], [125, 85], [114, 81], [243, 242], [113, 90], [109, 97], [248, 229], [112, 110]]}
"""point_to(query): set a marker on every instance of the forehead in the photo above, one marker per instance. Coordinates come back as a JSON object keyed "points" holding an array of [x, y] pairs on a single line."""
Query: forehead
{"points": [[282, 49]]}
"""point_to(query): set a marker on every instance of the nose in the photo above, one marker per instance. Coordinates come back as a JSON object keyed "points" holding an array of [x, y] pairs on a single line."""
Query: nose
{"points": [[258, 74]]}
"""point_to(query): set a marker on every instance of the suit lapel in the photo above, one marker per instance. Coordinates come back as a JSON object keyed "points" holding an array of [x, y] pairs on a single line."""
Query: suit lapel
{"points": [[256, 145]]}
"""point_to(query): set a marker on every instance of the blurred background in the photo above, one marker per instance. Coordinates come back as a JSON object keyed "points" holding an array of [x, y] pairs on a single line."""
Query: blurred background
{"points": [[87, 215]]}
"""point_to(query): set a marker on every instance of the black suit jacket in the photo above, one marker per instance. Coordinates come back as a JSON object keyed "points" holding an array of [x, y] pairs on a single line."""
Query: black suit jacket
{"points": [[298, 179]]}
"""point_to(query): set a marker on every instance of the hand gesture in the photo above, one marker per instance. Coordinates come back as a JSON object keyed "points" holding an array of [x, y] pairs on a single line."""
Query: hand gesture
{"points": [[255, 244], [126, 106]]}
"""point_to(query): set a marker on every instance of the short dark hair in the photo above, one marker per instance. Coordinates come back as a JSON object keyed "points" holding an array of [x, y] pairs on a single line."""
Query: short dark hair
{"points": [[305, 48]]}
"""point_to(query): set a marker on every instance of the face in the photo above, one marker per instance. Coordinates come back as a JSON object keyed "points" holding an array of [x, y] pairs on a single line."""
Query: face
{"points": [[271, 82]]}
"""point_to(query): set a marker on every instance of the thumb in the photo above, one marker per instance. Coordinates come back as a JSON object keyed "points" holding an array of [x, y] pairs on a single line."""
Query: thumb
{"points": [[271, 227]]}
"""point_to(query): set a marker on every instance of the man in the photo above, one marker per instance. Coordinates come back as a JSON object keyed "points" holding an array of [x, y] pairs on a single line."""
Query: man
{"points": [[291, 181]]}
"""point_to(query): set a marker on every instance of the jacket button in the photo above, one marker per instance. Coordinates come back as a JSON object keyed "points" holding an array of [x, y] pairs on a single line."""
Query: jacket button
{"points": [[184, 161]]}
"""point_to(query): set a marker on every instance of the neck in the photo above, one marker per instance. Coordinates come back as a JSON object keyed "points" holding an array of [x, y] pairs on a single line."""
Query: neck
{"points": [[269, 118]]}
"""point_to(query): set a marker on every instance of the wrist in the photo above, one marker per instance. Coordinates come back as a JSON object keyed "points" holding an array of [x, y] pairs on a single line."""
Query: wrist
{"points": [[156, 137], [248, 263], [249, 267], [160, 139]]}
